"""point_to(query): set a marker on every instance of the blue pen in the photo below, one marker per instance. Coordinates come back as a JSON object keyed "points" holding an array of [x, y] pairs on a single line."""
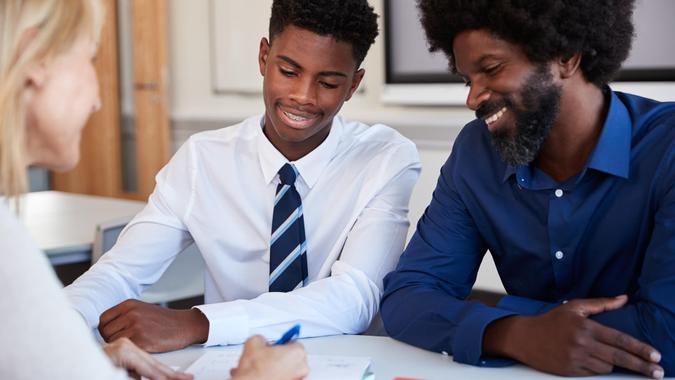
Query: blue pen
{"points": [[289, 335]]}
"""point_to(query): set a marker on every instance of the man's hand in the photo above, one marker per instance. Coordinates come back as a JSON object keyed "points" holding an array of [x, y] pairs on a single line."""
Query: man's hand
{"points": [[124, 354], [153, 328], [566, 342], [260, 361]]}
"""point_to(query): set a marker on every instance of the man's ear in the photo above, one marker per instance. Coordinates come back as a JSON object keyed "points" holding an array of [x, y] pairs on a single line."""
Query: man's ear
{"points": [[569, 66], [358, 76], [263, 53]]}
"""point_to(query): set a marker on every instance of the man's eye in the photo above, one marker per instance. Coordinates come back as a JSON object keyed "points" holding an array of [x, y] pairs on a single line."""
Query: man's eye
{"points": [[492, 70]]}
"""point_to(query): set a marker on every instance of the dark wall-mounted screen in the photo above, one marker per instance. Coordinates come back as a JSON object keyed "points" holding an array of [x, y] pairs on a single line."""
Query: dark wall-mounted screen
{"points": [[408, 60]]}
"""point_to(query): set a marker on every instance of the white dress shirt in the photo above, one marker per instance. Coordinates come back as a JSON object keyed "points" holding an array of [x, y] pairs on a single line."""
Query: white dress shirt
{"points": [[42, 336], [219, 191]]}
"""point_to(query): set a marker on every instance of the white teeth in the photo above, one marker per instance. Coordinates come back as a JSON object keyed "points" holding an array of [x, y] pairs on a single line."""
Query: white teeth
{"points": [[495, 116], [296, 117]]}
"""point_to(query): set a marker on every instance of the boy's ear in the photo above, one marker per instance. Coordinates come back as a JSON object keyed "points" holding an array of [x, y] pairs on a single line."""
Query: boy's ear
{"points": [[263, 53], [358, 76]]}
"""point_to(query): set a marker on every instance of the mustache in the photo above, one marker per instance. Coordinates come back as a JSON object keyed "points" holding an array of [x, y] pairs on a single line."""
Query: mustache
{"points": [[488, 108]]}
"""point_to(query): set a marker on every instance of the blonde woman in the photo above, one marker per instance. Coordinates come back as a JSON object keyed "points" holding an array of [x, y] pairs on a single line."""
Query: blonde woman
{"points": [[48, 89]]}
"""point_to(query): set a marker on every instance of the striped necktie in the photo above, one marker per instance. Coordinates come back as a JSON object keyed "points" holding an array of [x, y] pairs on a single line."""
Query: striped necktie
{"points": [[288, 248]]}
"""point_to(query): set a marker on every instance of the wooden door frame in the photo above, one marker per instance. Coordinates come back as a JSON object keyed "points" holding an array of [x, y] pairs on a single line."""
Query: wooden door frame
{"points": [[99, 171]]}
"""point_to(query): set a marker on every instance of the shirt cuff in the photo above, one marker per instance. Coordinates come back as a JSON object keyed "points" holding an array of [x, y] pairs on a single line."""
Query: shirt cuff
{"points": [[525, 306], [467, 345], [228, 323], [86, 310]]}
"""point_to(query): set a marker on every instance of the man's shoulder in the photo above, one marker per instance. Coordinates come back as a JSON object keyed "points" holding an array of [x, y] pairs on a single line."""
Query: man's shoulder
{"points": [[474, 141], [648, 113], [653, 123]]}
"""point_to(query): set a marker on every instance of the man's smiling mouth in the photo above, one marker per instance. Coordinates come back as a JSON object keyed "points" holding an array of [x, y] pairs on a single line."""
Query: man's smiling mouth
{"points": [[495, 116]]}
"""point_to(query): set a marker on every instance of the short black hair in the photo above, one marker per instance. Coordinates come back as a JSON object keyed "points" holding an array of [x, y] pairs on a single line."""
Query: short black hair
{"points": [[351, 21], [601, 30]]}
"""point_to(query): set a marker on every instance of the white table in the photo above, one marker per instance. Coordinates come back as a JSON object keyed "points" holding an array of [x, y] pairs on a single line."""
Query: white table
{"points": [[390, 359], [64, 224]]}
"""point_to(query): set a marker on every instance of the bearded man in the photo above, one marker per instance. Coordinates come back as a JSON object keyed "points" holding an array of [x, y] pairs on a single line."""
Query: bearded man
{"points": [[569, 185]]}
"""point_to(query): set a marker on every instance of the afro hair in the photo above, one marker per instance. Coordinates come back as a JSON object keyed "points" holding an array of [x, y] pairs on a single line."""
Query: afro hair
{"points": [[601, 30]]}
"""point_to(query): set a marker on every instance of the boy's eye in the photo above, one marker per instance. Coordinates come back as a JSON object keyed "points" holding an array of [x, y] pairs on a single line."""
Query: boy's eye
{"points": [[287, 73], [329, 85]]}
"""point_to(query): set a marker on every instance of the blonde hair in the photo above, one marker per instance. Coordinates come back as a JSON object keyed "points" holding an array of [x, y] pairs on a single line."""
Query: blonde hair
{"points": [[51, 27]]}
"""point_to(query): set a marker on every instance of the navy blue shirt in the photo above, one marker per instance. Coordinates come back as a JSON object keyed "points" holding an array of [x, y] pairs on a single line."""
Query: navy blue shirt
{"points": [[607, 231]]}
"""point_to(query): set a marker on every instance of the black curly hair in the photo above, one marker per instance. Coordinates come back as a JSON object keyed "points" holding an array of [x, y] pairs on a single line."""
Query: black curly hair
{"points": [[601, 30], [351, 21]]}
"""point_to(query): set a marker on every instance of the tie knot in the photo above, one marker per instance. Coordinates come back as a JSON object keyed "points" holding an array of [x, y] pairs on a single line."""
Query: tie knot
{"points": [[288, 174]]}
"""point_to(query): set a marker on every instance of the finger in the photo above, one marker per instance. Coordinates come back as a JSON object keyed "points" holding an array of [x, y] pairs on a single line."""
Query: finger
{"points": [[125, 333], [619, 357], [253, 344], [625, 342], [598, 365], [153, 369], [115, 311], [113, 327], [591, 306]]}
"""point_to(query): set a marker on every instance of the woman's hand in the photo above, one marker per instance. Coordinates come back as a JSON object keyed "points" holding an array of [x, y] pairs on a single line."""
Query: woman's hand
{"points": [[261, 361], [137, 362]]}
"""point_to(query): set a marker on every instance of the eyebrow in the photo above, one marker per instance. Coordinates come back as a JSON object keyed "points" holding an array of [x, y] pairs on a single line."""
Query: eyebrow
{"points": [[322, 73]]}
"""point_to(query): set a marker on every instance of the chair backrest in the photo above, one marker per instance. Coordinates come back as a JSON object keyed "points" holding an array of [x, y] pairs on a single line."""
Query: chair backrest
{"points": [[106, 236], [184, 278]]}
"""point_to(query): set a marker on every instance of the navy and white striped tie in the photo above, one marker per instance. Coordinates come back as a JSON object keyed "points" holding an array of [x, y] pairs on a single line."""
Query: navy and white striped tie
{"points": [[288, 248]]}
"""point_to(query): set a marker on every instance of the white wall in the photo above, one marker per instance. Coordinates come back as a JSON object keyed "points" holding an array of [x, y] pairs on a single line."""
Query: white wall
{"points": [[196, 106], [192, 88]]}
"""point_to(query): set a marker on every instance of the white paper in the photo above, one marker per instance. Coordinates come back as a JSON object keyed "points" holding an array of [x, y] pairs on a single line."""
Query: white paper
{"points": [[216, 365]]}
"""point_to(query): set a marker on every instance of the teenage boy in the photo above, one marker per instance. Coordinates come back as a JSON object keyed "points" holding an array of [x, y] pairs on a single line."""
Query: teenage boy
{"points": [[297, 213]]}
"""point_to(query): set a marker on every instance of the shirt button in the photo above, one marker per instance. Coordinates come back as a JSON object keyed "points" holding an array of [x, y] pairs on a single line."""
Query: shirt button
{"points": [[559, 193], [559, 255]]}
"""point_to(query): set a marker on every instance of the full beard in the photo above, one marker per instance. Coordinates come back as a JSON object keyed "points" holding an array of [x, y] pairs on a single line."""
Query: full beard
{"points": [[540, 108]]}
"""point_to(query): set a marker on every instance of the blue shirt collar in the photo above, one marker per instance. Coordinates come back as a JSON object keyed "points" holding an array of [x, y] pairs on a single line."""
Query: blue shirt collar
{"points": [[612, 152]]}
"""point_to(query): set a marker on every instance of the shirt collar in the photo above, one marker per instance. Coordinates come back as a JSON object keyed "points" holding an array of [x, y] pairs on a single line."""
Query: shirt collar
{"points": [[612, 152], [310, 166]]}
